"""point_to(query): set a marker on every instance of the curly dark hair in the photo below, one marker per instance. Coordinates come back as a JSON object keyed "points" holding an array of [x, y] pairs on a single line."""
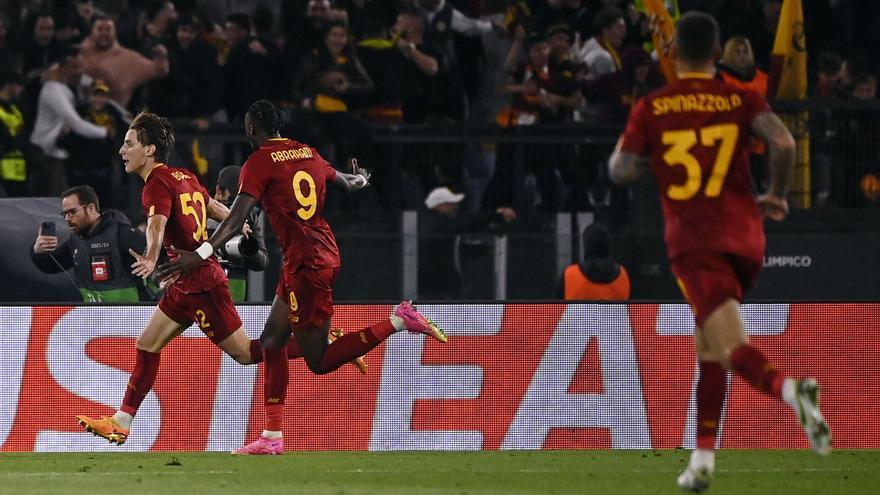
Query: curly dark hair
{"points": [[155, 130], [265, 116]]}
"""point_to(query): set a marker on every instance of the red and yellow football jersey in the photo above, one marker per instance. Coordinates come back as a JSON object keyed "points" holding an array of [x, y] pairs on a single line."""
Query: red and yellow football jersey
{"points": [[697, 133], [179, 196], [290, 180]]}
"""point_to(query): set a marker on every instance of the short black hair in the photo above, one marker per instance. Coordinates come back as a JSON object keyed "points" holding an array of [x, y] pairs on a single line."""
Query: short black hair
{"points": [[596, 241], [101, 17], [153, 7], [265, 116], [559, 28], [85, 194], [606, 18], [696, 37], [535, 38], [189, 19], [241, 20], [829, 63], [228, 178], [415, 13], [66, 52], [9, 76], [155, 130]]}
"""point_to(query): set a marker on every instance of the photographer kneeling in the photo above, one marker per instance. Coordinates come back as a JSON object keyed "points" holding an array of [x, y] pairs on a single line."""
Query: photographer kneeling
{"points": [[98, 250], [240, 254]]}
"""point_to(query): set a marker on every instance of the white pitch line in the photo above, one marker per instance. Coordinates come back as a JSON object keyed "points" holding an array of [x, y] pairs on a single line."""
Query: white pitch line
{"points": [[773, 470], [398, 471], [115, 473], [634, 471]]}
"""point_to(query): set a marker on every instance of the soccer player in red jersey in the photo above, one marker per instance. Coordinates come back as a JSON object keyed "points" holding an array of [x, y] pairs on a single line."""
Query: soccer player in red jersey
{"points": [[289, 179], [177, 208], [694, 136]]}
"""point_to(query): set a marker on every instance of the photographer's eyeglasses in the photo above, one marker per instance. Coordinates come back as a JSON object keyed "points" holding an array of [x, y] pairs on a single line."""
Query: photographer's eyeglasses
{"points": [[71, 211]]}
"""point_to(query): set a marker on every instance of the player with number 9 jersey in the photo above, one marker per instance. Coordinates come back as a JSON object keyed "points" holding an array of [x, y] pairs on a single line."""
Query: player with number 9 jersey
{"points": [[290, 180], [697, 132]]}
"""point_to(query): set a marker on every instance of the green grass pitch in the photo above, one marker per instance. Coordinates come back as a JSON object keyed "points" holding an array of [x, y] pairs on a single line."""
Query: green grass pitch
{"points": [[473, 473]]}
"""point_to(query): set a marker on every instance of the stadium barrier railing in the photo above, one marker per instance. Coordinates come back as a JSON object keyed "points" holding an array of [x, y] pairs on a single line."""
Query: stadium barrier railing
{"points": [[843, 168]]}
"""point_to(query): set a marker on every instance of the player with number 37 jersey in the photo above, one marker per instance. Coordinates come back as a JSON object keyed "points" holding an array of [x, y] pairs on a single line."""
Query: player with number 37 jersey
{"points": [[694, 136], [697, 132]]}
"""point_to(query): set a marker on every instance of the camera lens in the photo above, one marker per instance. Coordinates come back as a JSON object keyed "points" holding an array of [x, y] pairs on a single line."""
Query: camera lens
{"points": [[248, 247]]}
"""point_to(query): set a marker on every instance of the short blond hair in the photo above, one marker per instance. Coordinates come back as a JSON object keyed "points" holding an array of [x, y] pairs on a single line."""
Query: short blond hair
{"points": [[730, 46]]}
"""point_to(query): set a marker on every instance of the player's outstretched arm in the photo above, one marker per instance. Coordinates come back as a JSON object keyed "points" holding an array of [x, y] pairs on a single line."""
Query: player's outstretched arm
{"points": [[359, 178], [234, 221], [189, 260], [781, 156]]}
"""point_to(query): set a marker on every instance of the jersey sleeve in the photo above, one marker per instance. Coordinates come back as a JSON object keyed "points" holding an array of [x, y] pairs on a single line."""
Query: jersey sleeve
{"points": [[329, 171], [157, 198], [755, 105], [635, 136], [202, 189], [253, 179]]}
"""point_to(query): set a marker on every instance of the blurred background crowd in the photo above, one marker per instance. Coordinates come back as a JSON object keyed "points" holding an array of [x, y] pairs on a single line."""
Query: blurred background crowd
{"points": [[509, 107]]}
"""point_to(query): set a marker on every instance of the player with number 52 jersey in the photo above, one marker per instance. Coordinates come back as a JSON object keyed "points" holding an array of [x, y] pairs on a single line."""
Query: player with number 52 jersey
{"points": [[178, 195]]}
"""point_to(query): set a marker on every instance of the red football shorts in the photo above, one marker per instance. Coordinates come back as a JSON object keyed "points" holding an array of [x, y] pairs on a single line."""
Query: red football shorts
{"points": [[310, 295], [212, 310], [707, 279]]}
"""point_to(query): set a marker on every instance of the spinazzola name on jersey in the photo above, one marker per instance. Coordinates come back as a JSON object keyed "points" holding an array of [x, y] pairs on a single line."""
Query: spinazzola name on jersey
{"points": [[699, 102]]}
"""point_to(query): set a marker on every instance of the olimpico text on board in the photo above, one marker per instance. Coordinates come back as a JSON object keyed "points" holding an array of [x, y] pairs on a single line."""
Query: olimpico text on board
{"points": [[788, 261]]}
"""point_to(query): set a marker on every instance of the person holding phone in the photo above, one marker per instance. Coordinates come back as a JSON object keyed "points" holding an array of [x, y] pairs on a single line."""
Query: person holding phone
{"points": [[98, 250]]}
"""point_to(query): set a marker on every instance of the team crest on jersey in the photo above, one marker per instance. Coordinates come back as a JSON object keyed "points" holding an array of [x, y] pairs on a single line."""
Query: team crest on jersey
{"points": [[179, 175]]}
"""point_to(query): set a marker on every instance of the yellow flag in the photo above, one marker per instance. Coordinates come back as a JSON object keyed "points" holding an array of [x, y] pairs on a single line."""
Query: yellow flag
{"points": [[380, 43], [199, 161], [662, 33], [788, 81], [788, 65]]}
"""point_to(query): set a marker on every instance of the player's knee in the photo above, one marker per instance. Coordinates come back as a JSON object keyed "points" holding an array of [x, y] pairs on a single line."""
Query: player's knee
{"points": [[316, 367], [148, 345], [243, 359]]}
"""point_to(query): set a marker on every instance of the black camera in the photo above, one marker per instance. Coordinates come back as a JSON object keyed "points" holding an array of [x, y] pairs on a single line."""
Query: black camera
{"points": [[241, 247]]}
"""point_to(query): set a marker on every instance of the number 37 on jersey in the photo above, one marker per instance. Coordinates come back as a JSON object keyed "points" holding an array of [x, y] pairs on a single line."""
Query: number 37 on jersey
{"points": [[681, 145]]}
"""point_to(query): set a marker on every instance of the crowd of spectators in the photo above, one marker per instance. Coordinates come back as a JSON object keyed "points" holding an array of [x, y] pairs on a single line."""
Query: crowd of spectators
{"points": [[73, 71]]}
